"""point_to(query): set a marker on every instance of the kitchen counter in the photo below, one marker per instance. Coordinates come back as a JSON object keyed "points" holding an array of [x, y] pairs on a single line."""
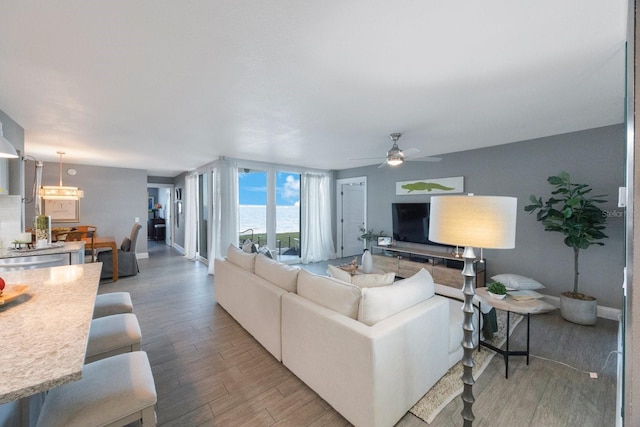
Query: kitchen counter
{"points": [[57, 254], [44, 331]]}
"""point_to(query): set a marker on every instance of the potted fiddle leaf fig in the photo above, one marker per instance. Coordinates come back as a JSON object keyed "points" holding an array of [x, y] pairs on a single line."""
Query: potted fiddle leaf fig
{"points": [[574, 212]]}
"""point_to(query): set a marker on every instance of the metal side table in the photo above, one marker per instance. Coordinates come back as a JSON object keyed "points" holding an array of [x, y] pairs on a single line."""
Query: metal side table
{"points": [[510, 305]]}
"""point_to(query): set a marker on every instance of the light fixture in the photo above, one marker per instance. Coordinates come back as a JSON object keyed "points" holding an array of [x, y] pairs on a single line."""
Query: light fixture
{"points": [[7, 150], [395, 156], [60, 192], [472, 222]]}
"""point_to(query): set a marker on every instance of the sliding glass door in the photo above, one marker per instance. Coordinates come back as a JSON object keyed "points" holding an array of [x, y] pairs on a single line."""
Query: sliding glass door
{"points": [[203, 214], [269, 210], [288, 215]]}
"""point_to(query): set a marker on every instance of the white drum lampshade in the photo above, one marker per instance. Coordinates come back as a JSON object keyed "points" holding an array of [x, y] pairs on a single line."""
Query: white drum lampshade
{"points": [[487, 222]]}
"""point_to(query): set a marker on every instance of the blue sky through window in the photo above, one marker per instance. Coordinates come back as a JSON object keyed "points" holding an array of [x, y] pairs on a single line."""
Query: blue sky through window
{"points": [[252, 188]]}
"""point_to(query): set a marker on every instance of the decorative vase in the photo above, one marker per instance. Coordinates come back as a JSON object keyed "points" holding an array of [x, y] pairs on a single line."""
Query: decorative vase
{"points": [[43, 231], [367, 262], [581, 312]]}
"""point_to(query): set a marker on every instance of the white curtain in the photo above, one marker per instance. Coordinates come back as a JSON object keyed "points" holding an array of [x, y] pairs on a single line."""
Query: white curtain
{"points": [[191, 217], [224, 221], [316, 232]]}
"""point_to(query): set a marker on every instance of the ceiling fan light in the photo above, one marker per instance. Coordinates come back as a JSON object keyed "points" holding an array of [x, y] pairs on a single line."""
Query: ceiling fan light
{"points": [[395, 160]]}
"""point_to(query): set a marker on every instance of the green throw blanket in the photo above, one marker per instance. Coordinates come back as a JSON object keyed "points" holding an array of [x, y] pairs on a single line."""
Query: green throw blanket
{"points": [[489, 324]]}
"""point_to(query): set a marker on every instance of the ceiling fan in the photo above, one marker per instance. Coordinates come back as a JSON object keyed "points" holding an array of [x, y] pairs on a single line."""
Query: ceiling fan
{"points": [[396, 156]]}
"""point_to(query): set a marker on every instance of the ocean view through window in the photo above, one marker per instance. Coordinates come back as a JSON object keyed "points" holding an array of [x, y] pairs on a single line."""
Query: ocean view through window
{"points": [[277, 225]]}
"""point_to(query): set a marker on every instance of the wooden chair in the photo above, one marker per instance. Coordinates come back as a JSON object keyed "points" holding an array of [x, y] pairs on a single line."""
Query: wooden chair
{"points": [[79, 236]]}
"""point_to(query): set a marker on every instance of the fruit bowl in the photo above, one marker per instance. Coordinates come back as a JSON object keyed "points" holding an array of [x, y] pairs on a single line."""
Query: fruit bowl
{"points": [[496, 296]]}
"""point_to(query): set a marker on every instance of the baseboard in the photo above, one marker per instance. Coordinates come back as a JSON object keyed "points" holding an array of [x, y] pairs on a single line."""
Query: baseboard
{"points": [[178, 248], [603, 311]]}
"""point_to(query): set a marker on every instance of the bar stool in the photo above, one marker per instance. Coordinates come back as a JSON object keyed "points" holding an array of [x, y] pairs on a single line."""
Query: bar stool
{"points": [[115, 391], [111, 335], [112, 303]]}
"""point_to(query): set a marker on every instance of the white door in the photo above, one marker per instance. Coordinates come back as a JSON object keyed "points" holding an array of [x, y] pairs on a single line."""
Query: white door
{"points": [[351, 216]]}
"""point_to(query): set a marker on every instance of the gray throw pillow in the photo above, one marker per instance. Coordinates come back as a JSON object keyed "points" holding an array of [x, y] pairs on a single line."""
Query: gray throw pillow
{"points": [[126, 244]]}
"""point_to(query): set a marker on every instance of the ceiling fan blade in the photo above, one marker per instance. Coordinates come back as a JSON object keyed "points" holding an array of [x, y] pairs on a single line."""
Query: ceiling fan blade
{"points": [[366, 158], [424, 159], [410, 152], [383, 164]]}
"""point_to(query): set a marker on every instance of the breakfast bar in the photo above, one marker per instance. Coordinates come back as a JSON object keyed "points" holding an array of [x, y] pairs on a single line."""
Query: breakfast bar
{"points": [[45, 330]]}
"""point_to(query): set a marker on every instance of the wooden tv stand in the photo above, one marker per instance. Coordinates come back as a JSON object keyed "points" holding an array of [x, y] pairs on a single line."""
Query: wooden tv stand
{"points": [[445, 268]]}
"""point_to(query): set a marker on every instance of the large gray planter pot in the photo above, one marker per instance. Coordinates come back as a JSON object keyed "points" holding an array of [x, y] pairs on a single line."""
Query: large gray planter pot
{"points": [[579, 311]]}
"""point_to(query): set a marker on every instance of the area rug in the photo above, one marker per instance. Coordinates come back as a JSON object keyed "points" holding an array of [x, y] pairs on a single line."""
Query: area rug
{"points": [[450, 385]]}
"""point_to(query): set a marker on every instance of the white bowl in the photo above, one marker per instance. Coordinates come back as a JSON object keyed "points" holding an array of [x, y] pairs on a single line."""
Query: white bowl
{"points": [[496, 296]]}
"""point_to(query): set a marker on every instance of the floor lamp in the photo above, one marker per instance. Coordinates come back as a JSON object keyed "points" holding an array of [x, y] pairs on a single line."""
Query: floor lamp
{"points": [[473, 222]]}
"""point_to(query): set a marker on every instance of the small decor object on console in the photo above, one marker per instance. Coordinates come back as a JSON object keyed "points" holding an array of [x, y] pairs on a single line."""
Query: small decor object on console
{"points": [[497, 290], [367, 262], [352, 267], [2, 284]]}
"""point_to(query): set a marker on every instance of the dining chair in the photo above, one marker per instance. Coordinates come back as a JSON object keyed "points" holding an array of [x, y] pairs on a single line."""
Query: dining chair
{"points": [[127, 260], [79, 236]]}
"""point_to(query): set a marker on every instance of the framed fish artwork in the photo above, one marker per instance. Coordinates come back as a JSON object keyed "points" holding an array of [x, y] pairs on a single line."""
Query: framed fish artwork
{"points": [[430, 186]]}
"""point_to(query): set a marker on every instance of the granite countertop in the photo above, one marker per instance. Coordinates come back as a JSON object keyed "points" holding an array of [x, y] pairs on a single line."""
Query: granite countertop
{"points": [[44, 332], [55, 248]]}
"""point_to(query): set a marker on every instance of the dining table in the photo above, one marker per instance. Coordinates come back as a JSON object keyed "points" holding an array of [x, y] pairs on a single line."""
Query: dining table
{"points": [[45, 317], [105, 242]]}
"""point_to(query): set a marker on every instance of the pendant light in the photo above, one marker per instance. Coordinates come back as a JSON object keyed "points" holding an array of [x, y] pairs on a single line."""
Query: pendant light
{"points": [[7, 150], [60, 192]]}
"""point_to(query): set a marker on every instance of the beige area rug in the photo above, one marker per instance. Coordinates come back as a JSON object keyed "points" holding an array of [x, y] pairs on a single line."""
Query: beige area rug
{"points": [[450, 385]]}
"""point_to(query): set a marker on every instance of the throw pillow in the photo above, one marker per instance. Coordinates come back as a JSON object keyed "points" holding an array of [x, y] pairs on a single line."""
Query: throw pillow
{"points": [[281, 275], [373, 280], [241, 259], [126, 244], [249, 247], [338, 273], [265, 251], [331, 293], [382, 302], [515, 281]]}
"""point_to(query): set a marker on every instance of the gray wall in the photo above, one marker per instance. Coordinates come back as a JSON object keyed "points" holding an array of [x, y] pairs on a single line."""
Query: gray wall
{"points": [[113, 197], [595, 157]]}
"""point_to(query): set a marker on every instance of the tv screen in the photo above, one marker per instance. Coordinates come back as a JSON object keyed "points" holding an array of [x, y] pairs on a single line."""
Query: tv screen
{"points": [[411, 223]]}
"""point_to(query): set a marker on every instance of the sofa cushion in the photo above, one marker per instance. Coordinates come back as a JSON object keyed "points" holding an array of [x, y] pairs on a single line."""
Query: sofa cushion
{"points": [[369, 280], [373, 280], [331, 293], [241, 259], [381, 302], [338, 273], [281, 275], [249, 247]]}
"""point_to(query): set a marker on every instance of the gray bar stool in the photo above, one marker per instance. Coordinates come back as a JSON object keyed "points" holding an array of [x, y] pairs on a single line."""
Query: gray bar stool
{"points": [[112, 303], [111, 335], [115, 392]]}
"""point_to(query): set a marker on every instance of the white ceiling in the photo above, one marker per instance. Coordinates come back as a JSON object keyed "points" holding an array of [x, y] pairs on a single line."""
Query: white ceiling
{"points": [[168, 86]]}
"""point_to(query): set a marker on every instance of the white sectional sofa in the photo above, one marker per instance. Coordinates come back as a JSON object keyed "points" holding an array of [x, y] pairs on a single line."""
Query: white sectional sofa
{"points": [[371, 353]]}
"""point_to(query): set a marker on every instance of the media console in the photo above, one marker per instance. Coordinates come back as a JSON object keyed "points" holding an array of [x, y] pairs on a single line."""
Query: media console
{"points": [[445, 268]]}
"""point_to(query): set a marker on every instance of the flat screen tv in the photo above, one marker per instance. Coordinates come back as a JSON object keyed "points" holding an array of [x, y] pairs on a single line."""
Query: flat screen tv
{"points": [[411, 223]]}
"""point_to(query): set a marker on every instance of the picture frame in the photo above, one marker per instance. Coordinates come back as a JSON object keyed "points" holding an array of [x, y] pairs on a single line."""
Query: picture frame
{"points": [[150, 203], [384, 241], [62, 210], [430, 186]]}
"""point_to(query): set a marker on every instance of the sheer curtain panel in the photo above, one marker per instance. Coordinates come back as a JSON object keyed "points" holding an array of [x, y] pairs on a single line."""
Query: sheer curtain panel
{"points": [[224, 224], [317, 238]]}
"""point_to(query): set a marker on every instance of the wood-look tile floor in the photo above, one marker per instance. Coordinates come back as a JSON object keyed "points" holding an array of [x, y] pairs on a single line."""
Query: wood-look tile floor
{"points": [[210, 372]]}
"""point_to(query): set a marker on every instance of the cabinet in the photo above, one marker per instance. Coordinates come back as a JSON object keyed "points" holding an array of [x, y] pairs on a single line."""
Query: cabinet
{"points": [[446, 269], [156, 229]]}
